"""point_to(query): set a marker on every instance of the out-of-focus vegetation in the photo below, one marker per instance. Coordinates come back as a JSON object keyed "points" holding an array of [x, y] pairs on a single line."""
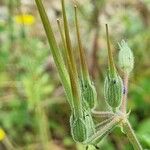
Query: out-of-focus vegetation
{"points": [[33, 109]]}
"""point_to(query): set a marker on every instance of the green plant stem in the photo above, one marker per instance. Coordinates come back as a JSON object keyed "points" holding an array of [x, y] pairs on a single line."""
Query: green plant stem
{"points": [[125, 92], [103, 123], [103, 114], [103, 131], [55, 52], [131, 135]]}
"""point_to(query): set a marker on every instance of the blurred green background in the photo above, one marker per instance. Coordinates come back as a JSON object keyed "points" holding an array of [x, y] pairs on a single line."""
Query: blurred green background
{"points": [[33, 108]]}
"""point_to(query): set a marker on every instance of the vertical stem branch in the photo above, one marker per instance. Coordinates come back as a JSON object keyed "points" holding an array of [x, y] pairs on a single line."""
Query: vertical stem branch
{"points": [[131, 136], [125, 92]]}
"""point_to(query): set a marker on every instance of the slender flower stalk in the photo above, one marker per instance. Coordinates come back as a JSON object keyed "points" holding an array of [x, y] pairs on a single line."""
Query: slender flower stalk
{"points": [[103, 123], [103, 131], [125, 93], [131, 135], [102, 114]]}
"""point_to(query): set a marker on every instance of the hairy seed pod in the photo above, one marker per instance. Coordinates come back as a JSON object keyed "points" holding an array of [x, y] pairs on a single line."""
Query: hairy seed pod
{"points": [[89, 93], [82, 126], [88, 119], [89, 124], [78, 129], [113, 90], [126, 58]]}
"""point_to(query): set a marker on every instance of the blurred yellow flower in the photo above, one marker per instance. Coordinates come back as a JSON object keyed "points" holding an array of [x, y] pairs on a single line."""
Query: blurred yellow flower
{"points": [[2, 134], [25, 19]]}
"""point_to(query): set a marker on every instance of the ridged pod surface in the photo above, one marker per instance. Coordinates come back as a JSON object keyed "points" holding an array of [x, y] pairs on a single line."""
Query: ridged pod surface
{"points": [[78, 129], [88, 119], [126, 58], [81, 128], [113, 90], [89, 93]]}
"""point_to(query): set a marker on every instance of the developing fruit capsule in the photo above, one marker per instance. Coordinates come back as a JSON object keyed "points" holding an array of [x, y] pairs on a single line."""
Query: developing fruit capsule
{"points": [[89, 93], [126, 58], [113, 90], [78, 129], [113, 85]]}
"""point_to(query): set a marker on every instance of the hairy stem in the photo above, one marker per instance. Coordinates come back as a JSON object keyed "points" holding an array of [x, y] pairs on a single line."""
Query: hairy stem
{"points": [[103, 114], [103, 123], [131, 136], [125, 92], [103, 131]]}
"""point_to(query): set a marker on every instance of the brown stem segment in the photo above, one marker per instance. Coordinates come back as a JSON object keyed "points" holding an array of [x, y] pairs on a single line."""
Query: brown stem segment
{"points": [[110, 60], [64, 52], [84, 68], [125, 92], [72, 67]]}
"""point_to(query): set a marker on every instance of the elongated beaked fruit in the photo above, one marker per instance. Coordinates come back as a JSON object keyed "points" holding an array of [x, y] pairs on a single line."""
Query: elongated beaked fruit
{"points": [[126, 58], [113, 85], [88, 90], [113, 90]]}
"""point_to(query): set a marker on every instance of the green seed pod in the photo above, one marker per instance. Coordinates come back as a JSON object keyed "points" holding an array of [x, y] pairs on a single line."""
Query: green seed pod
{"points": [[89, 124], [88, 119], [126, 58], [81, 128], [78, 129], [89, 93], [113, 90]]}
